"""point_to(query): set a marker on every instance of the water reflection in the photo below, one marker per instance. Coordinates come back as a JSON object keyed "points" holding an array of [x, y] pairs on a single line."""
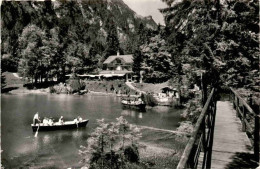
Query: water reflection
{"points": [[129, 112], [132, 113], [140, 115], [46, 139], [18, 140]]}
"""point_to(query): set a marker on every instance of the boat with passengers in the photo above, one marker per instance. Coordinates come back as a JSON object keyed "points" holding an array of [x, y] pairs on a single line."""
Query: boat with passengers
{"points": [[133, 102], [59, 126]]}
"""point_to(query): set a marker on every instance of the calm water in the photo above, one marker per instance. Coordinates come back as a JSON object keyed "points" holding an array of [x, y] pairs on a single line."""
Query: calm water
{"points": [[59, 149]]}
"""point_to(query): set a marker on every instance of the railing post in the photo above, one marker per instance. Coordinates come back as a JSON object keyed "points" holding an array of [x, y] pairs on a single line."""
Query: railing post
{"points": [[211, 130], [230, 96], [237, 106], [243, 118], [233, 101], [204, 143], [256, 135]]}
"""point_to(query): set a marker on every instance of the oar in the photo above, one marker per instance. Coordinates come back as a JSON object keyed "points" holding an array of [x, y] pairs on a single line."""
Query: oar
{"points": [[37, 130]]}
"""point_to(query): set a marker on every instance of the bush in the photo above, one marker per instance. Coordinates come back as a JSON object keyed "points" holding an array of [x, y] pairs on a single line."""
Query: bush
{"points": [[76, 85], [112, 145], [131, 154], [52, 89], [186, 126]]}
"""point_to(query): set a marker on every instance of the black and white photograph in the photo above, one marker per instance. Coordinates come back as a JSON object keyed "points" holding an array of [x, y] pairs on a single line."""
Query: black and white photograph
{"points": [[130, 84]]}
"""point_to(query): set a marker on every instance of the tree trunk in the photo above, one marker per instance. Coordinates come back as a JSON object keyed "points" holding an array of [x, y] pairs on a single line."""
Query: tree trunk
{"points": [[35, 80]]}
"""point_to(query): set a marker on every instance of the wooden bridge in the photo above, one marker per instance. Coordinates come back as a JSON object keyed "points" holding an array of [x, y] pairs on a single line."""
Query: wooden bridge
{"points": [[226, 135]]}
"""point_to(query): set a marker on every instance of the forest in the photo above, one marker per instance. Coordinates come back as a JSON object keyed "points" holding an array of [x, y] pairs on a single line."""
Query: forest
{"points": [[52, 39]]}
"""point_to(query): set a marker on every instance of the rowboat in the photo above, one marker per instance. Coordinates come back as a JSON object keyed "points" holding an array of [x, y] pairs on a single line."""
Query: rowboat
{"points": [[133, 104], [58, 126]]}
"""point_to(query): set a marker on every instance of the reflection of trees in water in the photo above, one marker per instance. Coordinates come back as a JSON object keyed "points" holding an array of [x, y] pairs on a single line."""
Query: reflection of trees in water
{"points": [[128, 113], [161, 109], [46, 139], [132, 114]]}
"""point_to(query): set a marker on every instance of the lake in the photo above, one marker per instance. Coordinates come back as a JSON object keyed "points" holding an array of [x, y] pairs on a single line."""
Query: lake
{"points": [[60, 149]]}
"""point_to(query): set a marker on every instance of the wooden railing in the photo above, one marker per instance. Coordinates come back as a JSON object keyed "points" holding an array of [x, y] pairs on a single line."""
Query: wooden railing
{"points": [[198, 151], [249, 119]]}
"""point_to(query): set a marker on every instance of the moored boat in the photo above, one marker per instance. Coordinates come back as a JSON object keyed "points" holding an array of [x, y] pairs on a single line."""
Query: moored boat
{"points": [[139, 104], [58, 126]]}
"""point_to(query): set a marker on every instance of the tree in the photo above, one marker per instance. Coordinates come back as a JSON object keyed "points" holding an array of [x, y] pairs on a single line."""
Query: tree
{"points": [[156, 60], [112, 145], [213, 36], [112, 40], [31, 44], [137, 60]]}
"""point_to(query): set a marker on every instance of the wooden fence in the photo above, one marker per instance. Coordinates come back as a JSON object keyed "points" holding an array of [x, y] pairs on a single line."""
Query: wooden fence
{"points": [[249, 119], [198, 151]]}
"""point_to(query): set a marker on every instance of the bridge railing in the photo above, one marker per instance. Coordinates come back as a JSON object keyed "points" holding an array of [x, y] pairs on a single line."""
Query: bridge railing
{"points": [[249, 119], [198, 151]]}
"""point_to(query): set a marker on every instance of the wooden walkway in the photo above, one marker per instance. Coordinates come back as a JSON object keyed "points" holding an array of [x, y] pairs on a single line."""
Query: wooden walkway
{"points": [[230, 143]]}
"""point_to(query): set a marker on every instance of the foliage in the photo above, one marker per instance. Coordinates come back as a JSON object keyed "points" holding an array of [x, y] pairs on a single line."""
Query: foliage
{"points": [[31, 43], [75, 35], [193, 110], [112, 40], [137, 59], [156, 60], [75, 84], [217, 36], [60, 88], [8, 64], [185, 126], [3, 82], [112, 145]]}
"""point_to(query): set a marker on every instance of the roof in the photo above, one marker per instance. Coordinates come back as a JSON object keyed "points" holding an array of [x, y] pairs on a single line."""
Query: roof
{"points": [[168, 88], [126, 58], [115, 72]]}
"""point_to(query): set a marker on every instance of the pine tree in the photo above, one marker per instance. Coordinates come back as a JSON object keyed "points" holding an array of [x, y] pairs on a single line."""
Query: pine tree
{"points": [[112, 40]]}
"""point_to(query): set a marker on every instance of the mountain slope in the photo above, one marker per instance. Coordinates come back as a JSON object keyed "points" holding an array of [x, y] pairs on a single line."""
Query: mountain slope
{"points": [[77, 26]]}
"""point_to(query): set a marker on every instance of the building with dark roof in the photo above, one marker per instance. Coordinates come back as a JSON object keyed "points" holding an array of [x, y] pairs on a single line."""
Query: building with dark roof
{"points": [[114, 67], [118, 63], [118, 66]]}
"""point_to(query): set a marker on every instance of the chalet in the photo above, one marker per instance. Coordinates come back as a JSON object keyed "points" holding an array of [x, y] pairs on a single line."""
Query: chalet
{"points": [[114, 67], [118, 66]]}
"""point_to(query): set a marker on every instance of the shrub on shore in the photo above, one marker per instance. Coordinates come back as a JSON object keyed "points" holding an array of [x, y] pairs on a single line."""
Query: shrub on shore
{"points": [[112, 145]]}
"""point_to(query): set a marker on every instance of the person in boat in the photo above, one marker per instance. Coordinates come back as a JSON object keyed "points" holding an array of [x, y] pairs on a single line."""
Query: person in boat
{"points": [[76, 120], [50, 122], [45, 121], [140, 100], [36, 118], [177, 99], [61, 120], [80, 119]]}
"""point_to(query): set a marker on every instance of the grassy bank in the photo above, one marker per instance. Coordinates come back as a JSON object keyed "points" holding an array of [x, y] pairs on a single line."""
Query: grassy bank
{"points": [[150, 87], [161, 149], [115, 86]]}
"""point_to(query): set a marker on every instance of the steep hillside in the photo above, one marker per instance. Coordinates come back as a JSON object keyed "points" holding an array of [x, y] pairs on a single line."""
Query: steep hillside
{"points": [[79, 28]]}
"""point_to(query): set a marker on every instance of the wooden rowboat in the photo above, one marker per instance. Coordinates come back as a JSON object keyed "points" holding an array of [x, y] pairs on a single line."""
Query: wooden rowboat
{"points": [[58, 126], [133, 104]]}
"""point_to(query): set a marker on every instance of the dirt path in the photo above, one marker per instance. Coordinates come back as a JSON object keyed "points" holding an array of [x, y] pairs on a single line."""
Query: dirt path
{"points": [[129, 84]]}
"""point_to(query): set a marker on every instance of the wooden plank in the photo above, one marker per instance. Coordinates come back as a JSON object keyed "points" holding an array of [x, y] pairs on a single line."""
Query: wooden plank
{"points": [[187, 151], [228, 137]]}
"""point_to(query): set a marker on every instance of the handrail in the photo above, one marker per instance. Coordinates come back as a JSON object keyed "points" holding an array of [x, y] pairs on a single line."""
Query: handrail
{"points": [[243, 101], [246, 127], [188, 149]]}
